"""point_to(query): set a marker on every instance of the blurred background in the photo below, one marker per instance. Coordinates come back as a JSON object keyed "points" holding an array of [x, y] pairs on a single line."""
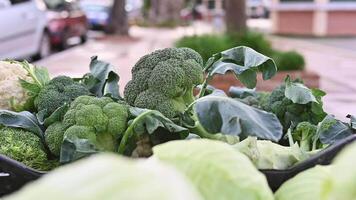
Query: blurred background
{"points": [[310, 39]]}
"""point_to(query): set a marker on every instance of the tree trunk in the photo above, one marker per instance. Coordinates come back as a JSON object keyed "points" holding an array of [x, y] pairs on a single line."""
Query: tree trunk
{"points": [[118, 19], [235, 15], [165, 11]]}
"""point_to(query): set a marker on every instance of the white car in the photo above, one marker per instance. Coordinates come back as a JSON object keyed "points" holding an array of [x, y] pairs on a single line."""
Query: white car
{"points": [[23, 30]]}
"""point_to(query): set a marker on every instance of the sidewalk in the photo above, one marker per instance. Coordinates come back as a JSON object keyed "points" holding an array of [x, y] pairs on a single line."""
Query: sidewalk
{"points": [[121, 52], [335, 62]]}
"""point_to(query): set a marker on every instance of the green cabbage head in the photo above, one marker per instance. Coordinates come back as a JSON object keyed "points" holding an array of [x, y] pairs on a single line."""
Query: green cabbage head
{"points": [[312, 184], [216, 169], [110, 177]]}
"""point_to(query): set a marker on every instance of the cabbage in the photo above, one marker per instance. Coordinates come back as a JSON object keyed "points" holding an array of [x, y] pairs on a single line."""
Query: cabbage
{"points": [[312, 184], [344, 175], [216, 169], [110, 177], [268, 155]]}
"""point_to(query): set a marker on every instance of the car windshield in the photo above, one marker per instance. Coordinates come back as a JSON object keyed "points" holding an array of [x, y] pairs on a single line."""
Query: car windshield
{"points": [[61, 4]]}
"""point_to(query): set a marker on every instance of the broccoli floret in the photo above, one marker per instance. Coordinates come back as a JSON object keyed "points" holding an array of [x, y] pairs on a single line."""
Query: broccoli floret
{"points": [[54, 137], [101, 121], [305, 134], [25, 147], [57, 92], [164, 80]]}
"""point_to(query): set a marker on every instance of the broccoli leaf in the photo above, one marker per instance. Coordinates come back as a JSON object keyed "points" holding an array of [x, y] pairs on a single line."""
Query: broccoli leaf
{"points": [[102, 80], [74, 148], [147, 122], [56, 116], [298, 93], [230, 117], [244, 62], [331, 130], [240, 92], [24, 120]]}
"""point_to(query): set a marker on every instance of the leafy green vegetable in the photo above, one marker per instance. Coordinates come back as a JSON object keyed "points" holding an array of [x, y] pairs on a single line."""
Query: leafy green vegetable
{"points": [[244, 62], [24, 120], [164, 80], [298, 93], [312, 184], [102, 79], [308, 106], [90, 125], [229, 117], [265, 154], [25, 147], [216, 169], [331, 130], [59, 91], [110, 177], [306, 134], [344, 174], [148, 122]]}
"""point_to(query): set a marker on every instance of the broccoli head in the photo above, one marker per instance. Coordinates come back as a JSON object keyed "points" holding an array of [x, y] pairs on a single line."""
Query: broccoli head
{"points": [[25, 147], [164, 80], [305, 134], [100, 121], [290, 113], [57, 92]]}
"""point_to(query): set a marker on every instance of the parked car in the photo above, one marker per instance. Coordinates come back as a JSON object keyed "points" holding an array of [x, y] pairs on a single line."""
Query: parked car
{"points": [[66, 20], [23, 31], [97, 12], [258, 8]]}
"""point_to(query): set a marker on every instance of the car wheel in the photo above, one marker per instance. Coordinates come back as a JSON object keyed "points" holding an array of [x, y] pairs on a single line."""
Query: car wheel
{"points": [[83, 39], [45, 47]]}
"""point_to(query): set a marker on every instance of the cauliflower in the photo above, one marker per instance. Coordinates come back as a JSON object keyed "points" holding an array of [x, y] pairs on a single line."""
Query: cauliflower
{"points": [[12, 95]]}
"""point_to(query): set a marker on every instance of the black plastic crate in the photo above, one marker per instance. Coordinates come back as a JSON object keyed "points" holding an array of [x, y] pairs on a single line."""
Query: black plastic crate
{"points": [[14, 175]]}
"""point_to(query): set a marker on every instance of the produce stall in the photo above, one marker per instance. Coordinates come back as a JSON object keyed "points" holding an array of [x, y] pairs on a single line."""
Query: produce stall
{"points": [[170, 134]]}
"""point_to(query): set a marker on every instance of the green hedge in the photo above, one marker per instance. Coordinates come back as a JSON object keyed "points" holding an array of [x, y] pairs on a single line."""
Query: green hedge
{"points": [[209, 44]]}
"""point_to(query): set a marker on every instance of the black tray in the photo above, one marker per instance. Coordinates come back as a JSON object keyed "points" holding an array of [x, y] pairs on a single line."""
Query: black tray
{"points": [[14, 175], [276, 178]]}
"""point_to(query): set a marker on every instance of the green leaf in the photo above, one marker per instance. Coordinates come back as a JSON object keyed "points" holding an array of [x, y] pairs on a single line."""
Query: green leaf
{"points": [[147, 122], [298, 93], [74, 148], [231, 117], [56, 116], [239, 92], [244, 62], [39, 75], [331, 130], [102, 81], [32, 88], [24, 120]]}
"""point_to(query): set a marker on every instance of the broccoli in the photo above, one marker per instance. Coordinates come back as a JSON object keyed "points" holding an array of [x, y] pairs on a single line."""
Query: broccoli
{"points": [[290, 113], [305, 134], [57, 92], [25, 147], [164, 80], [100, 121]]}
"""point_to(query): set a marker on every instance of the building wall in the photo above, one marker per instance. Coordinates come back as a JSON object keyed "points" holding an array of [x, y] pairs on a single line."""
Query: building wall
{"points": [[318, 18]]}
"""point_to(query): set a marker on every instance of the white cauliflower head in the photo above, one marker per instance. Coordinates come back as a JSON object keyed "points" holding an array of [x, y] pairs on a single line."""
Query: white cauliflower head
{"points": [[10, 88]]}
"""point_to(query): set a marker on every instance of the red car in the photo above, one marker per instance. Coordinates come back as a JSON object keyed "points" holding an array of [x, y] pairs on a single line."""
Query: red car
{"points": [[66, 21]]}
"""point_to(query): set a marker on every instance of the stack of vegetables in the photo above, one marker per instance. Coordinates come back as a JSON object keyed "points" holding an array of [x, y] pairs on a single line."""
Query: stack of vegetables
{"points": [[210, 144]]}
